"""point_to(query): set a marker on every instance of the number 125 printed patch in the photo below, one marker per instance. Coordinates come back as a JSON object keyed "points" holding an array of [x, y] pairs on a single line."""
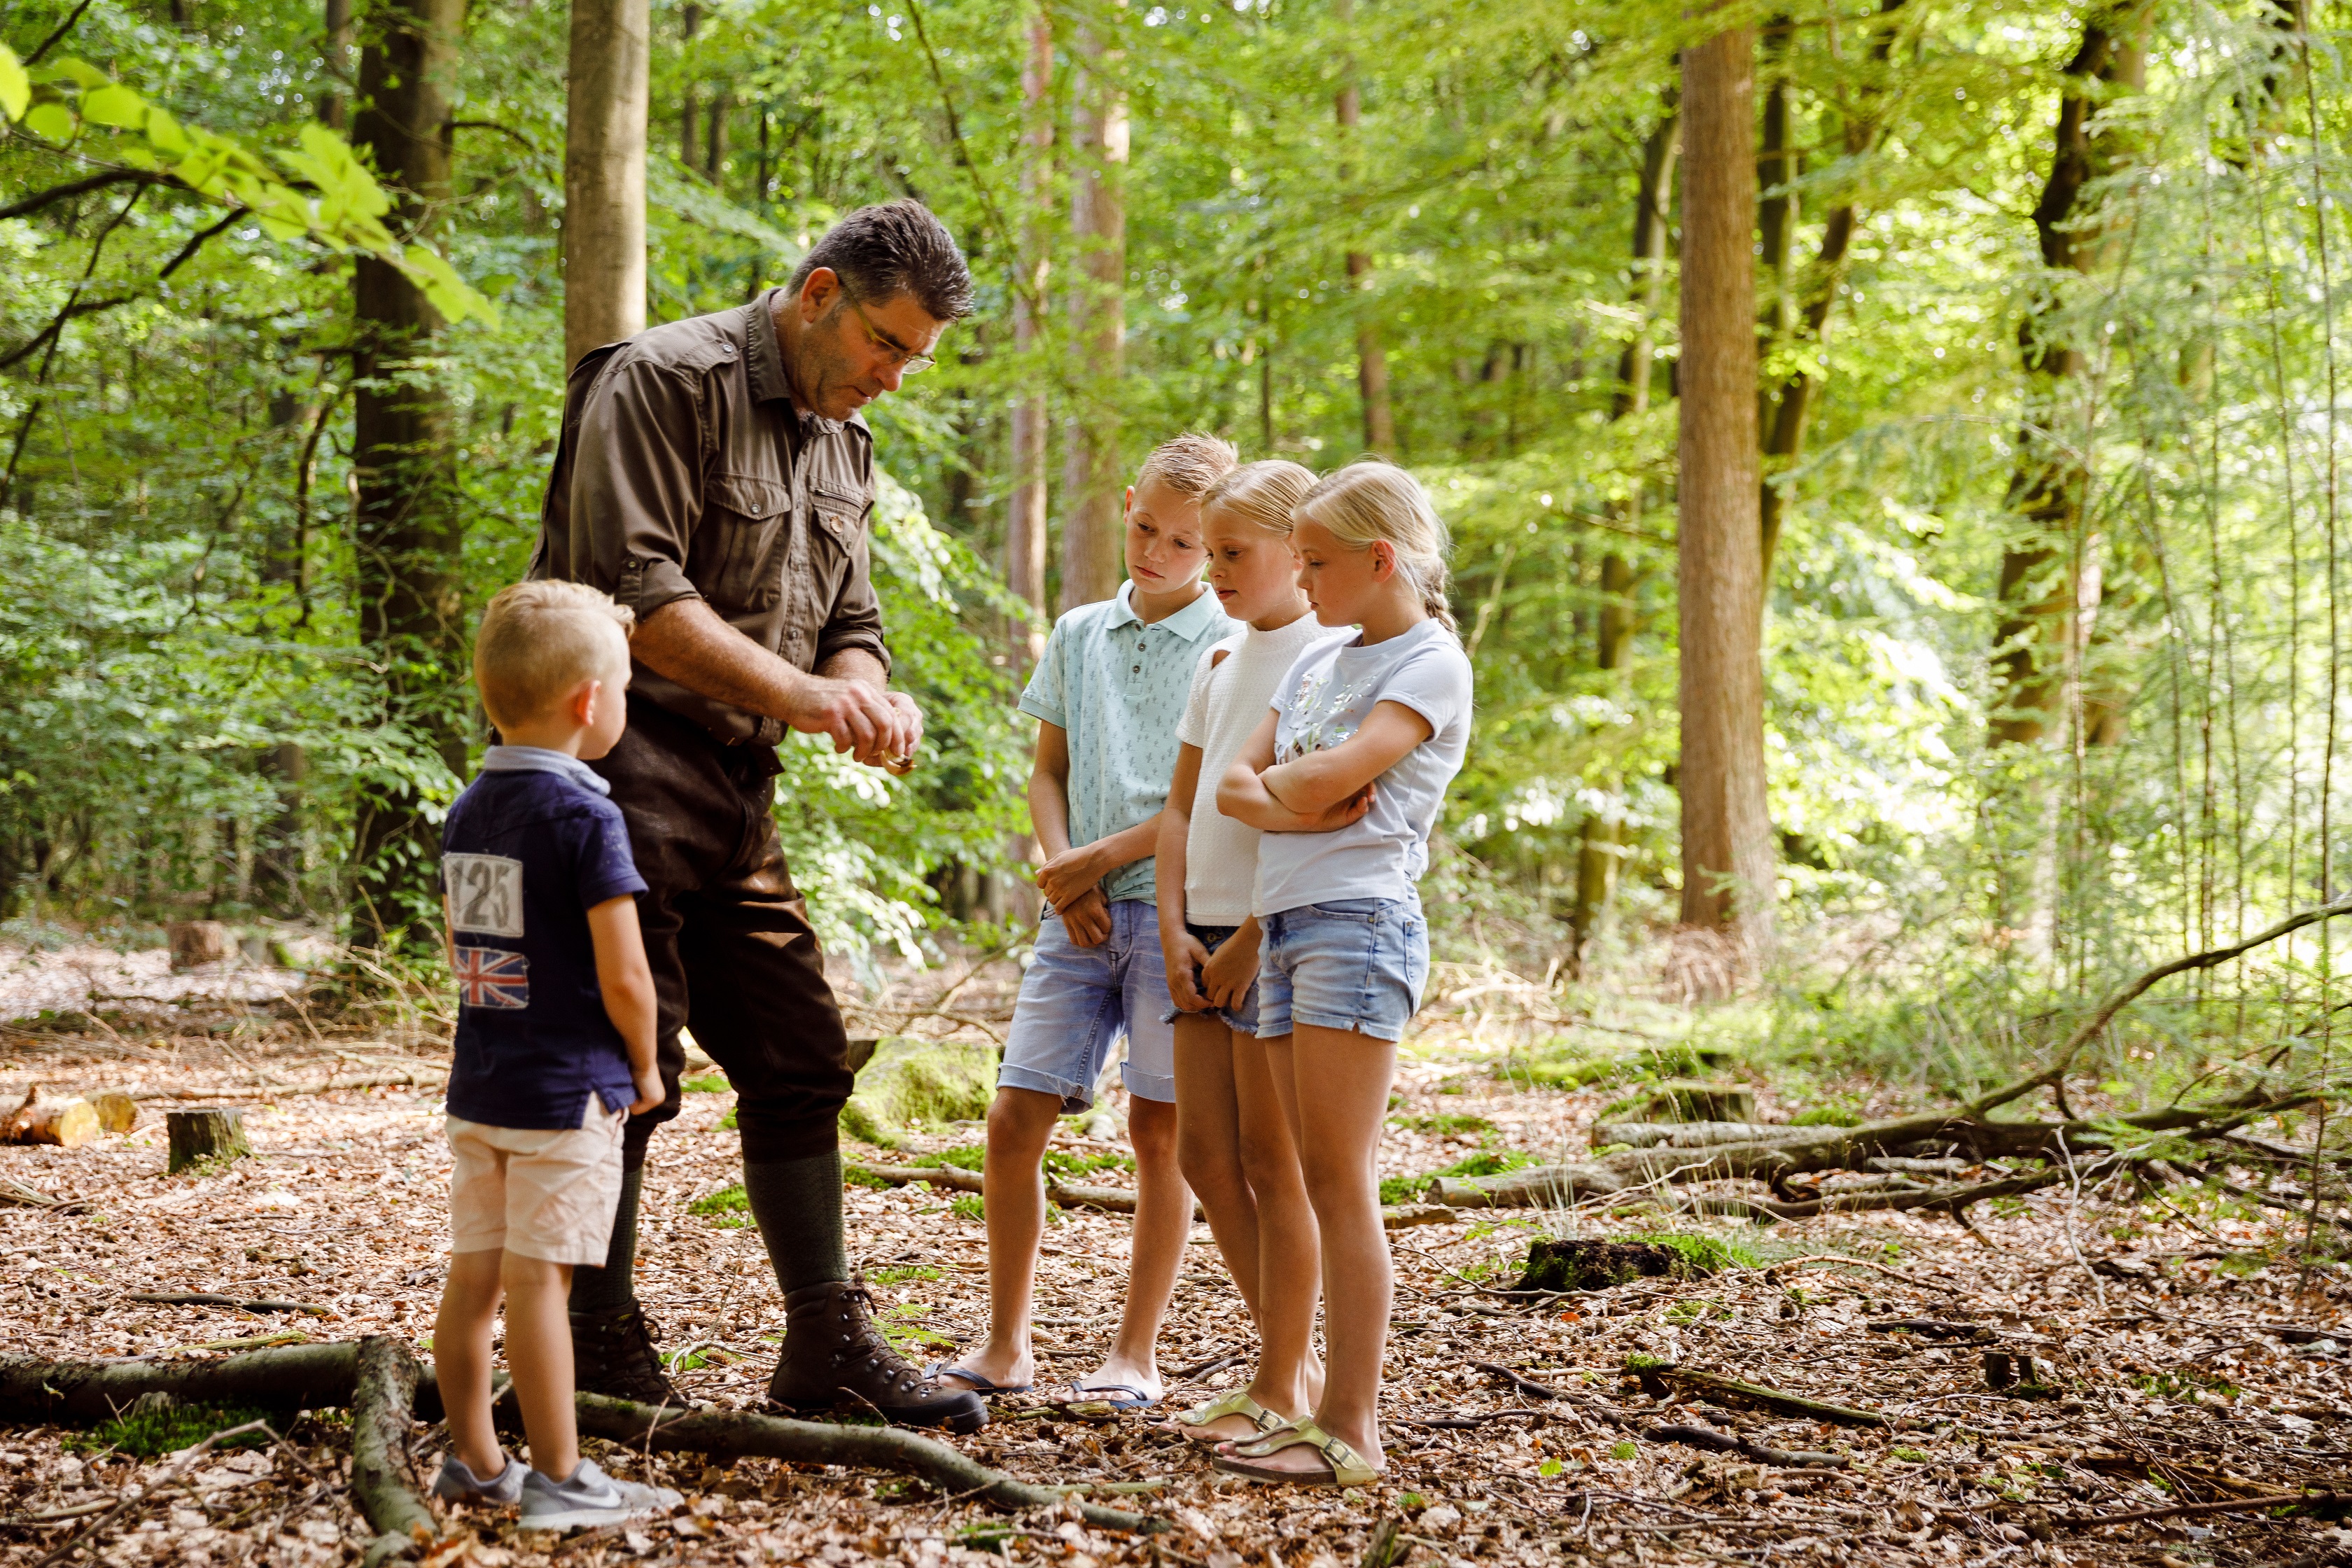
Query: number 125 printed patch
{"points": [[485, 893]]}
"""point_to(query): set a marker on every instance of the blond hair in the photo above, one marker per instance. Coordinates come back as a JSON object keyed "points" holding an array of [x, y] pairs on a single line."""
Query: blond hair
{"points": [[538, 641], [1369, 500], [1264, 493], [1188, 463]]}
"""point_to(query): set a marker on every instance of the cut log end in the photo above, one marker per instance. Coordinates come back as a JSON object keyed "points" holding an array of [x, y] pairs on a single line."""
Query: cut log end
{"points": [[195, 944], [205, 1133], [66, 1124]]}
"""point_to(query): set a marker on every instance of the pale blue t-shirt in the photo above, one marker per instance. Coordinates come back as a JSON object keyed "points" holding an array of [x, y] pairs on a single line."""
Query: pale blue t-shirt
{"points": [[1321, 702], [1117, 687]]}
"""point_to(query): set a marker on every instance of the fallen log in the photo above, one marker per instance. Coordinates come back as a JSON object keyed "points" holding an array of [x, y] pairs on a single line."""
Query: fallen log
{"points": [[383, 1392], [1111, 1200], [741, 1432], [332, 1375], [61, 1123], [209, 1298], [1682, 1134], [1537, 1186]]}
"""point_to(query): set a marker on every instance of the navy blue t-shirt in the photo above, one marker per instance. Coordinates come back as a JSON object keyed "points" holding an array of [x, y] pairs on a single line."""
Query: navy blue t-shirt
{"points": [[528, 849]]}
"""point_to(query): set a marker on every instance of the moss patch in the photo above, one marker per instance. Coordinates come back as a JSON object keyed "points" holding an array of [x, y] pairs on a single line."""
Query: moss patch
{"points": [[918, 1084], [154, 1426]]}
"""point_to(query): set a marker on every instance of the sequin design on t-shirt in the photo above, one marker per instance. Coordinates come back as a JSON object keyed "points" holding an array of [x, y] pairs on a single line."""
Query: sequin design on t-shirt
{"points": [[1324, 717]]}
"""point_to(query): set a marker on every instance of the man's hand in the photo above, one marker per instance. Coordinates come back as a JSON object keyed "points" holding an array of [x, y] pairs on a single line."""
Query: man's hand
{"points": [[1184, 955], [880, 729], [1227, 975], [650, 1092], [1088, 919], [1068, 874]]}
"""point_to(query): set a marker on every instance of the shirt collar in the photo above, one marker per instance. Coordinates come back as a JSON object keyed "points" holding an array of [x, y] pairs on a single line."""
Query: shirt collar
{"points": [[1187, 622], [540, 760]]}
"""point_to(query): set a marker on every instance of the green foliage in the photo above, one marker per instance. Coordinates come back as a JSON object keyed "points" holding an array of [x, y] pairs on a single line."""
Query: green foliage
{"points": [[1445, 1122], [1702, 1255], [1080, 1162], [152, 1429], [968, 1206], [963, 1157], [1825, 1116], [899, 1275], [711, 1083], [730, 1207]]}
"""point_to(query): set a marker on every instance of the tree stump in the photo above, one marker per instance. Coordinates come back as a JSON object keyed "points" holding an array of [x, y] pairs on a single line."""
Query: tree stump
{"points": [[1684, 1099], [205, 1133], [67, 1123], [196, 942]]}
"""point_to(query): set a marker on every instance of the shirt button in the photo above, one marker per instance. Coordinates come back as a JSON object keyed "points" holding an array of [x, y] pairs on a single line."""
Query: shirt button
{"points": [[1138, 670]]}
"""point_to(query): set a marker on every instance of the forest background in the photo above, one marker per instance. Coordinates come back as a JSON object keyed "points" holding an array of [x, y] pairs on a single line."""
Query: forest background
{"points": [[1891, 448]]}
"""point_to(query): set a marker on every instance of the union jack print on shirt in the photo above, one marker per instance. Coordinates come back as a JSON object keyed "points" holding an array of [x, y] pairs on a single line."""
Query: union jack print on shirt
{"points": [[494, 977]]}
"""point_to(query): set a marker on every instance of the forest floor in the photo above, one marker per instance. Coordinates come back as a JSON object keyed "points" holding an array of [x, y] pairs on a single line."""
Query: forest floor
{"points": [[2191, 1358]]}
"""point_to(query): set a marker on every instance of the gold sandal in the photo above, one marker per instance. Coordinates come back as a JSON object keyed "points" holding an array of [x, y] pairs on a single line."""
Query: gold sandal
{"points": [[1238, 1402], [1347, 1467]]}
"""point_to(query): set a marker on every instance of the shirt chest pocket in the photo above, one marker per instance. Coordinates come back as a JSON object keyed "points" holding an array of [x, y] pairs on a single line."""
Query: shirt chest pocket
{"points": [[742, 541], [838, 532]]}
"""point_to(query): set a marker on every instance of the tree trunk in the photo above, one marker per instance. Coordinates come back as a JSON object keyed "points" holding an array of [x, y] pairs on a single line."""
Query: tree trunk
{"points": [[1092, 537], [604, 174], [1600, 852], [689, 114], [721, 105], [334, 109], [1025, 523], [409, 526], [1727, 830], [2041, 574], [1371, 358]]}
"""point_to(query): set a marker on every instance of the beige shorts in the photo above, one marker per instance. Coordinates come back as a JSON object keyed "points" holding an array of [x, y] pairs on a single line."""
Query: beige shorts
{"points": [[550, 1195]]}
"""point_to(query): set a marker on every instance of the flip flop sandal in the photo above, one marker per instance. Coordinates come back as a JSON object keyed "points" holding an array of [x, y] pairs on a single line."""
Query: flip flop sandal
{"points": [[1106, 1395], [1347, 1467], [1191, 1424], [979, 1384]]}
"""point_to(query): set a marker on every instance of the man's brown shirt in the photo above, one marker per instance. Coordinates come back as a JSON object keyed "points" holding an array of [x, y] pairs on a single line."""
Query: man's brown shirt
{"points": [[686, 470]]}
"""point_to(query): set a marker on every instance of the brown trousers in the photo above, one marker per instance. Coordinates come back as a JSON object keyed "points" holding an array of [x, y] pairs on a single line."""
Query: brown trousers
{"points": [[733, 955]]}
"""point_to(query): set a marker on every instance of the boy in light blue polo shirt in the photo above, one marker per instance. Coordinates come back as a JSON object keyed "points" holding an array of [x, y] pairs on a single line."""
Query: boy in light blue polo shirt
{"points": [[1106, 696]]}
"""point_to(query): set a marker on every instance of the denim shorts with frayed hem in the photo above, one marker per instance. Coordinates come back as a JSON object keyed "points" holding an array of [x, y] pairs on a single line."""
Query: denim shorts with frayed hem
{"points": [[1348, 963], [1242, 1019], [1074, 1003]]}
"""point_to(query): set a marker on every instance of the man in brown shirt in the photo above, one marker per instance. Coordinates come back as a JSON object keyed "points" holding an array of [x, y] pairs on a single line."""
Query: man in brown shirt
{"points": [[714, 476]]}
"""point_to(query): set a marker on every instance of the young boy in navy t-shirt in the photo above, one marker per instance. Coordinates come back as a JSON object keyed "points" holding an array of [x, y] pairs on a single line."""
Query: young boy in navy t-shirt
{"points": [[555, 1044]]}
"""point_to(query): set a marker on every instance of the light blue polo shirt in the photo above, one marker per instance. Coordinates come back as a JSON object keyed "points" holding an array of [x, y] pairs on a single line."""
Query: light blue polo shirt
{"points": [[1117, 687]]}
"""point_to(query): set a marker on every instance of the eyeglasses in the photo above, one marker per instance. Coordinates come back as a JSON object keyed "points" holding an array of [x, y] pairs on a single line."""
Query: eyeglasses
{"points": [[909, 362]]}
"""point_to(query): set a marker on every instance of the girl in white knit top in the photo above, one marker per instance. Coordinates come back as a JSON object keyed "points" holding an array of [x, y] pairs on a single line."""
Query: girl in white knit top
{"points": [[1232, 1139]]}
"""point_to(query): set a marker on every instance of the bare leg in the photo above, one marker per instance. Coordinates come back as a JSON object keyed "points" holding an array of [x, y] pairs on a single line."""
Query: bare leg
{"points": [[461, 1358], [1290, 1274], [1339, 1127], [1208, 1144], [1020, 1123], [539, 1353], [1163, 1218]]}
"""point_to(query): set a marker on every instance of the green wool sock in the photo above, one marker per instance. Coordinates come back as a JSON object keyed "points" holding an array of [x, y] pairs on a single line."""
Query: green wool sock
{"points": [[797, 1203], [613, 1288]]}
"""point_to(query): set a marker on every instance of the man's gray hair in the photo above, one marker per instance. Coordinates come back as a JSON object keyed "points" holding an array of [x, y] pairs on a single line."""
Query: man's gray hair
{"points": [[895, 248]]}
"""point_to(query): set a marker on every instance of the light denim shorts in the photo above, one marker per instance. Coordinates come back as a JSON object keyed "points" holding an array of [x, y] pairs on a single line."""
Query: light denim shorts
{"points": [[1074, 1003], [1350, 963], [1243, 1018]]}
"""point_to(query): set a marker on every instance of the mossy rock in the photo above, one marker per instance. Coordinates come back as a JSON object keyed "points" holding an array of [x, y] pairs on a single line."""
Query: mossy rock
{"points": [[906, 1084], [1691, 1099]]}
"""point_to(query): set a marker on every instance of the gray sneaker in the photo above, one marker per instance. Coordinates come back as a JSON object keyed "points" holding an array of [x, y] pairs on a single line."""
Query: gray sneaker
{"points": [[590, 1497], [459, 1483]]}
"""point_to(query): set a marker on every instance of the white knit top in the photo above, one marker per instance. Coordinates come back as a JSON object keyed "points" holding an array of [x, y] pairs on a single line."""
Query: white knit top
{"points": [[1229, 699]]}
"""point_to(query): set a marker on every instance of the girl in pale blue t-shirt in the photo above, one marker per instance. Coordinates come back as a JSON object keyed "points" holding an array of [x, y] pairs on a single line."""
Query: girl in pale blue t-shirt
{"points": [[1345, 776]]}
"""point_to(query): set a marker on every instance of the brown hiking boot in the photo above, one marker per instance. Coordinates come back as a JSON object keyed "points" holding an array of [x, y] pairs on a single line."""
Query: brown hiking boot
{"points": [[834, 1358], [612, 1353]]}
